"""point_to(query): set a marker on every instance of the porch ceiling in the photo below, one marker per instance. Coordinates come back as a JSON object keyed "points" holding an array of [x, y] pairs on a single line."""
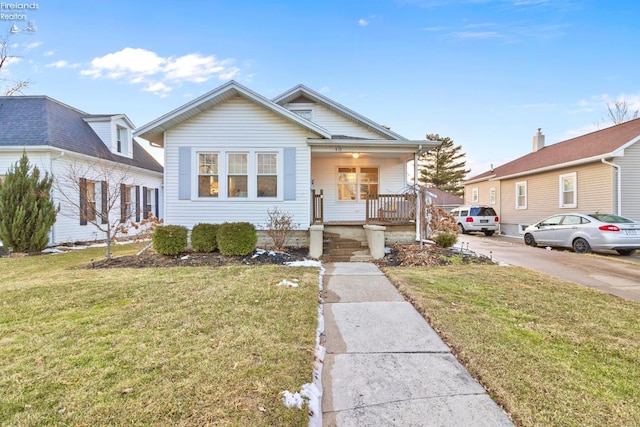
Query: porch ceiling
{"points": [[367, 148]]}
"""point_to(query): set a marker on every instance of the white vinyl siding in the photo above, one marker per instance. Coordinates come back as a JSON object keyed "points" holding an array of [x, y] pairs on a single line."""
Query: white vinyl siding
{"points": [[391, 180], [568, 190], [237, 126], [334, 122]]}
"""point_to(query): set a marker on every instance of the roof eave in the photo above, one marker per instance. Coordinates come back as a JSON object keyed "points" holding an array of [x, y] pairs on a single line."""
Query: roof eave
{"points": [[294, 92], [154, 130]]}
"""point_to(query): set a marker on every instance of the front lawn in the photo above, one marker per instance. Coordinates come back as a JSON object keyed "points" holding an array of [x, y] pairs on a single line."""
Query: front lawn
{"points": [[164, 346], [552, 353]]}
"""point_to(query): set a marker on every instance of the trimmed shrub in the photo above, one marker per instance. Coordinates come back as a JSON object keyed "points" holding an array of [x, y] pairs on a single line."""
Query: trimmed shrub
{"points": [[445, 240], [203, 237], [237, 238], [169, 239]]}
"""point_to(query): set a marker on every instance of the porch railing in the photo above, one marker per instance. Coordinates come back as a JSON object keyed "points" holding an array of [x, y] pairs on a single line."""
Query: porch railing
{"points": [[318, 207], [391, 208]]}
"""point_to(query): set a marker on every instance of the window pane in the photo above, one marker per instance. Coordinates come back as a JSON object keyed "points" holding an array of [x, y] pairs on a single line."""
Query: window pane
{"points": [[371, 189], [267, 164], [208, 163], [346, 175], [237, 186], [369, 175], [207, 186], [238, 164], [267, 186], [91, 200]]}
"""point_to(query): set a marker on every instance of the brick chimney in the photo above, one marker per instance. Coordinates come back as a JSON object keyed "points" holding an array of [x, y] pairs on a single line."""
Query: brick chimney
{"points": [[538, 141]]}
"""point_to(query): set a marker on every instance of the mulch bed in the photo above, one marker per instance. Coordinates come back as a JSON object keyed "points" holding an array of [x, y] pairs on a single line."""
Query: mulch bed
{"points": [[400, 255]]}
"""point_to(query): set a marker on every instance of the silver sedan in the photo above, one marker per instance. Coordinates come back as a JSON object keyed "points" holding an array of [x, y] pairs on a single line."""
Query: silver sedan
{"points": [[586, 232]]}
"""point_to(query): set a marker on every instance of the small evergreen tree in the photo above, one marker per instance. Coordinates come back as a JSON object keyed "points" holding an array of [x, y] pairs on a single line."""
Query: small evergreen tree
{"points": [[27, 211], [444, 166]]}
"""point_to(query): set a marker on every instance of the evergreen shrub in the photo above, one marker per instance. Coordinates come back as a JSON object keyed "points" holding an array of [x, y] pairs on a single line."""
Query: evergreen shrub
{"points": [[237, 238], [169, 239], [445, 240], [203, 237]]}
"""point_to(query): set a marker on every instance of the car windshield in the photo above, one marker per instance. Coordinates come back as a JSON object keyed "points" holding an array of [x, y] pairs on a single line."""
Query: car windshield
{"points": [[611, 218], [482, 211]]}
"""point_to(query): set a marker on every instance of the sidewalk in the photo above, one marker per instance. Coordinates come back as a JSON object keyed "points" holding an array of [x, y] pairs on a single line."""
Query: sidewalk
{"points": [[385, 366]]}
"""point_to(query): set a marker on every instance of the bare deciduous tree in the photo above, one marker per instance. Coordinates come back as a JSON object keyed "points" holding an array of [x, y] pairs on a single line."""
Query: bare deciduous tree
{"points": [[101, 194], [9, 87], [619, 112]]}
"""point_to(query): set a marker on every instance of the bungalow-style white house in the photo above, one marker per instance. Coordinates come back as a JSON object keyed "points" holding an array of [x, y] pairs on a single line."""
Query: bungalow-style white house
{"points": [[91, 157], [599, 171], [233, 155]]}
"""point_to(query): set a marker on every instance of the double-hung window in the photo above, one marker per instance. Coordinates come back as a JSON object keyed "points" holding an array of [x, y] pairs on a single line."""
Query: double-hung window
{"points": [[208, 183], [492, 196], [267, 174], [356, 183], [237, 175], [568, 194], [474, 195], [521, 195]]}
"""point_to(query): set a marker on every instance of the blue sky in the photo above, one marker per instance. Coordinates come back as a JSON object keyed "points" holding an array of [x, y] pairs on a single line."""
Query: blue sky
{"points": [[486, 73]]}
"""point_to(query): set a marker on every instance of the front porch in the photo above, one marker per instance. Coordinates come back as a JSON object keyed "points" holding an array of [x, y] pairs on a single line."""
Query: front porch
{"points": [[389, 219]]}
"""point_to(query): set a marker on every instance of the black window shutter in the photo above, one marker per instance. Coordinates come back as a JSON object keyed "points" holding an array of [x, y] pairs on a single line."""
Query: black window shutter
{"points": [[104, 213], [137, 203], [123, 203], [145, 203], [83, 201], [157, 203]]}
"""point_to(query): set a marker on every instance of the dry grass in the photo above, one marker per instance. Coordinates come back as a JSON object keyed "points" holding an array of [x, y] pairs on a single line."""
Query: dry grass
{"points": [[551, 352], [166, 346]]}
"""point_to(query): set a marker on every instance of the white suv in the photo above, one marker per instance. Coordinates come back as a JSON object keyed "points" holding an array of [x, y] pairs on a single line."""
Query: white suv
{"points": [[476, 218]]}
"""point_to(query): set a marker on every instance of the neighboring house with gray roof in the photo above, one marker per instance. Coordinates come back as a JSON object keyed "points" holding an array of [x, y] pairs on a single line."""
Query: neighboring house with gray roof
{"points": [[599, 171], [59, 139], [444, 200]]}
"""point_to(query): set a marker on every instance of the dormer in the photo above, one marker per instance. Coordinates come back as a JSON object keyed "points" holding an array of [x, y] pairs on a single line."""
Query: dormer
{"points": [[115, 131]]}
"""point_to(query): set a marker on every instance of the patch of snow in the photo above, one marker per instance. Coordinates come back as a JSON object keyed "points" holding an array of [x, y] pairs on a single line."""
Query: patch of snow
{"points": [[292, 400], [285, 282], [52, 251], [185, 257], [304, 263], [548, 248], [387, 250]]}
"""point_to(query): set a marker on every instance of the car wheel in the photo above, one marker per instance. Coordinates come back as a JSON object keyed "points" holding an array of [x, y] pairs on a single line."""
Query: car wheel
{"points": [[488, 233], [462, 230], [625, 252], [529, 240], [581, 246]]}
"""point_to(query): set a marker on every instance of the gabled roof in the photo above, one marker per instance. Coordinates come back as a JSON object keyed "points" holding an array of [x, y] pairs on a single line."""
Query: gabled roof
{"points": [[303, 91], [602, 144], [30, 121], [443, 198], [154, 130]]}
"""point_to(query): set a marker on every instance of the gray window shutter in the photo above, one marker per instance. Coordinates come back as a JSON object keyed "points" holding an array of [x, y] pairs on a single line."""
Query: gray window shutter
{"points": [[289, 164], [184, 173], [123, 203]]}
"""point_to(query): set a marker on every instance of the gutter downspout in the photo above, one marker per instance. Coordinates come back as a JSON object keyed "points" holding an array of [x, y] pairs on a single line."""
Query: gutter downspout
{"points": [[53, 227], [619, 184]]}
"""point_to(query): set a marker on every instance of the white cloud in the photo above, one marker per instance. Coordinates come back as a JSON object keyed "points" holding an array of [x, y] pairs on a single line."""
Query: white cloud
{"points": [[33, 45], [62, 64], [140, 66], [363, 22], [49, 53], [324, 89]]}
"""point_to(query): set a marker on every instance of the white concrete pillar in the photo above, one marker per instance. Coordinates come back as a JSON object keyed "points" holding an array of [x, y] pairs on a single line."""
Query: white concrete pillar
{"points": [[316, 232], [375, 239]]}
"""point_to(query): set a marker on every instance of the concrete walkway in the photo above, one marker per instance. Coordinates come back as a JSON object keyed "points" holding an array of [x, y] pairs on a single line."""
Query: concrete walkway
{"points": [[385, 366]]}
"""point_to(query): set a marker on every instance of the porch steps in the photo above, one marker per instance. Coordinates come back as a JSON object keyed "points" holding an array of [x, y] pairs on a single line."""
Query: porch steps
{"points": [[341, 249]]}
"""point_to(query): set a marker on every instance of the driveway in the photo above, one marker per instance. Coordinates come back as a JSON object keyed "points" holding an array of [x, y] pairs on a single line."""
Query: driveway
{"points": [[610, 273]]}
